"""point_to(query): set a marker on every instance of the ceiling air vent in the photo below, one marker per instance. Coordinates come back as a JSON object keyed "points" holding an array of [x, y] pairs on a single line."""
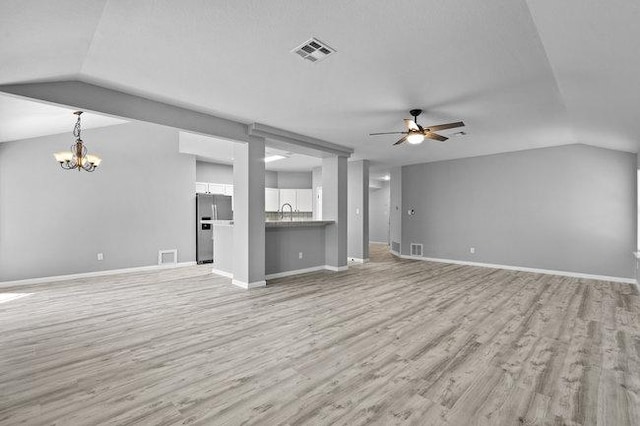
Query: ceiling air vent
{"points": [[314, 50]]}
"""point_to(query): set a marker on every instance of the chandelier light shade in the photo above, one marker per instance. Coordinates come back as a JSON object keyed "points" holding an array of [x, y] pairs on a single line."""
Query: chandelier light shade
{"points": [[77, 158]]}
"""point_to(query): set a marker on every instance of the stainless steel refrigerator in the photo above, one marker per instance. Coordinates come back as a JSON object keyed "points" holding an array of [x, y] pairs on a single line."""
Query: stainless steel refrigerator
{"points": [[209, 207]]}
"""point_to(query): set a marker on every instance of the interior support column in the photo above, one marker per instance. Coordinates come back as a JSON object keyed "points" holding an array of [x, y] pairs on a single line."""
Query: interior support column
{"points": [[358, 211], [248, 214], [334, 207], [395, 210]]}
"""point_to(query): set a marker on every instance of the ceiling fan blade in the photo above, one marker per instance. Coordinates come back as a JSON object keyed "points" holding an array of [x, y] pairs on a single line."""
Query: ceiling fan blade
{"points": [[403, 140], [387, 133], [411, 125], [435, 137], [445, 126]]}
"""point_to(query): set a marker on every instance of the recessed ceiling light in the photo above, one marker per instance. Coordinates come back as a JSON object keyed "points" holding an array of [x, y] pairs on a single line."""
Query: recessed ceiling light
{"points": [[387, 177], [271, 158]]}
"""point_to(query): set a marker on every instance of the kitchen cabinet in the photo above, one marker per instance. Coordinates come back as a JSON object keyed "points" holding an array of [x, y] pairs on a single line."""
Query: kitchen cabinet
{"points": [[288, 196], [300, 199], [202, 187], [304, 200], [217, 188], [271, 199]]}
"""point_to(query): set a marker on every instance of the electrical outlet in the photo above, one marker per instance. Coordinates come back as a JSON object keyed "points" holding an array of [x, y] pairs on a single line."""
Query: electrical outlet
{"points": [[100, 256], [472, 250], [300, 255]]}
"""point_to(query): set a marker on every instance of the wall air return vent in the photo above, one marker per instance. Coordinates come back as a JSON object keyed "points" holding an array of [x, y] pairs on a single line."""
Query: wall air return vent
{"points": [[168, 257], [416, 249], [395, 246], [314, 50]]}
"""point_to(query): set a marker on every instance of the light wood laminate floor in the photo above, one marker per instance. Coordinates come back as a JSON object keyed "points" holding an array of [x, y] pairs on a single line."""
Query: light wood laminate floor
{"points": [[389, 342]]}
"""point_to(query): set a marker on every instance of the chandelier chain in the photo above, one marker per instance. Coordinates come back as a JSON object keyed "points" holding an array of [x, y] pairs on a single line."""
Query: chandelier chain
{"points": [[77, 128]]}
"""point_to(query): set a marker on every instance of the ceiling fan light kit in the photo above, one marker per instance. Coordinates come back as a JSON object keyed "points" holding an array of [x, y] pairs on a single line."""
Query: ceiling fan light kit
{"points": [[416, 134], [415, 138]]}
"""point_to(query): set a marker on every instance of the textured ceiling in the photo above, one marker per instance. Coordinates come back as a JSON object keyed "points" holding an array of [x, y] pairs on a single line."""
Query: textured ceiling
{"points": [[521, 74]]}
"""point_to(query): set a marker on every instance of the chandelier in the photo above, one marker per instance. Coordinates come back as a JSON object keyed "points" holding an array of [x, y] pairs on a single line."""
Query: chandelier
{"points": [[77, 158]]}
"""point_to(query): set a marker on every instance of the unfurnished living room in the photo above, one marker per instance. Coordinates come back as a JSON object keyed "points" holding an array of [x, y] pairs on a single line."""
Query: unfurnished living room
{"points": [[300, 212]]}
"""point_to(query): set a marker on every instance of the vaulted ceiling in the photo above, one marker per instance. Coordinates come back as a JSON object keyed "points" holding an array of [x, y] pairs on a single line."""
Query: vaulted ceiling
{"points": [[521, 74]]}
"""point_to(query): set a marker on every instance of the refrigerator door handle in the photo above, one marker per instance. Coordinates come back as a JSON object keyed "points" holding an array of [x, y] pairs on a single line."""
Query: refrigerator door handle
{"points": [[215, 211]]}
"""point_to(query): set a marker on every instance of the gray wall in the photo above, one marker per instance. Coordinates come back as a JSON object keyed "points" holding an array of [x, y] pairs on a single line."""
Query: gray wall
{"points": [[334, 207], [316, 182], [569, 208], [294, 180], [284, 244], [358, 209], [379, 214], [223, 173], [395, 208], [213, 172], [54, 222]]}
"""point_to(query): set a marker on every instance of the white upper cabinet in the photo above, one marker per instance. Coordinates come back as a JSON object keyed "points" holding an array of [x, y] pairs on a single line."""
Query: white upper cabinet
{"points": [[300, 199], [271, 199], [217, 188], [304, 200], [202, 187], [288, 196]]}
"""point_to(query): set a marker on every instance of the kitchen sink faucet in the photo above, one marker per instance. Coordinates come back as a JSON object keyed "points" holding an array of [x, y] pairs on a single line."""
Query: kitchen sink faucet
{"points": [[282, 211]]}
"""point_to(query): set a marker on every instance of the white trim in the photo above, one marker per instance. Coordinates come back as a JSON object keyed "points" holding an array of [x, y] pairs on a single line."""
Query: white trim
{"points": [[379, 242], [42, 280], [395, 253], [245, 285], [222, 273], [174, 252], [295, 272], [336, 268], [522, 268], [357, 260]]}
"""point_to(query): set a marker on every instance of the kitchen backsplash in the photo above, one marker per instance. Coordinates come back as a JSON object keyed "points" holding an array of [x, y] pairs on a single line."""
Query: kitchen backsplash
{"points": [[296, 216]]}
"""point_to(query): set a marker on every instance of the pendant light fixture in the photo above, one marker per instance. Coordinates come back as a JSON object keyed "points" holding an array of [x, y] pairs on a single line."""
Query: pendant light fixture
{"points": [[77, 158]]}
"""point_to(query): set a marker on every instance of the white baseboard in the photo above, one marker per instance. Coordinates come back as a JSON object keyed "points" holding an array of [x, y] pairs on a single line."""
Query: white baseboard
{"points": [[222, 273], [245, 285], [295, 272], [56, 278], [336, 268], [379, 242], [357, 260], [520, 268]]}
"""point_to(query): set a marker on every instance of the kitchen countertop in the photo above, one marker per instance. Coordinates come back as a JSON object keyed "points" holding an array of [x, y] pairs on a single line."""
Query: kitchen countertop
{"points": [[218, 222], [296, 223], [276, 223]]}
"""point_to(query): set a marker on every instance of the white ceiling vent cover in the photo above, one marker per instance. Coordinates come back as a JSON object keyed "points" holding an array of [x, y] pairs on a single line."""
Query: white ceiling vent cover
{"points": [[314, 50]]}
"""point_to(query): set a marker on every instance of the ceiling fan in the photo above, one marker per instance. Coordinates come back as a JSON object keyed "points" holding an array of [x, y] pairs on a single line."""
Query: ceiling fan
{"points": [[416, 134]]}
